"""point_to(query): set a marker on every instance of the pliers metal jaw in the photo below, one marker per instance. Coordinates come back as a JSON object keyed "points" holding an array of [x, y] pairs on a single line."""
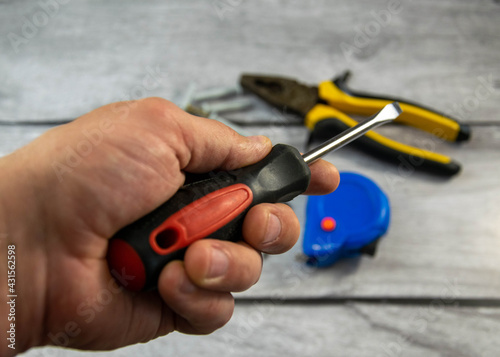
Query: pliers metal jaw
{"points": [[325, 110]]}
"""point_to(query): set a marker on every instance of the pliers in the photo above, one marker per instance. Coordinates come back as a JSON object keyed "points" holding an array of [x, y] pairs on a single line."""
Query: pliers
{"points": [[325, 108]]}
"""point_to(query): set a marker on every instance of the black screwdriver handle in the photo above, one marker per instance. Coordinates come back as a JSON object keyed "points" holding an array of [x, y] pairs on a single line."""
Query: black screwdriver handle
{"points": [[213, 208]]}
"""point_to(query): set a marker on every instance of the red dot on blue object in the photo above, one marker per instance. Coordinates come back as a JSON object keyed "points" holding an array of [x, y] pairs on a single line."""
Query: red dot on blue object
{"points": [[328, 224]]}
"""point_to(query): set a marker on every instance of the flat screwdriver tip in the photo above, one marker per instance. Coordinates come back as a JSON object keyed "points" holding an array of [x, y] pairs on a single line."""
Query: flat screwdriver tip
{"points": [[389, 112]]}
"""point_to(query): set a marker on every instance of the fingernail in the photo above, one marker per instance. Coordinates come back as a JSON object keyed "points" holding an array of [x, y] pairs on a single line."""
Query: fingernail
{"points": [[273, 229], [259, 139], [219, 263]]}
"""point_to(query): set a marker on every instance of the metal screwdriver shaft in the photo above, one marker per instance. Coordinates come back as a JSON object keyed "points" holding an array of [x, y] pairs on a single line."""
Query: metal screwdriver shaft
{"points": [[386, 115]]}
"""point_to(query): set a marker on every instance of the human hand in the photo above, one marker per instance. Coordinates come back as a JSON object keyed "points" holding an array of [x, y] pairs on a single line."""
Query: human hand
{"points": [[65, 194]]}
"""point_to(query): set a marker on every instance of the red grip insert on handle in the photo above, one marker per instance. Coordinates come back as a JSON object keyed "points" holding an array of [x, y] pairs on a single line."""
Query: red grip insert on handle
{"points": [[126, 263], [200, 218]]}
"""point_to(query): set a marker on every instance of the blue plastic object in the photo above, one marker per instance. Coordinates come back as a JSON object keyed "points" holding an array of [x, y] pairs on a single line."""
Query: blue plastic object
{"points": [[347, 222]]}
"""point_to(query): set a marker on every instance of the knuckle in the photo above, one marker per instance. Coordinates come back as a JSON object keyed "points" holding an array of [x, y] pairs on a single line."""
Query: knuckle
{"points": [[156, 107]]}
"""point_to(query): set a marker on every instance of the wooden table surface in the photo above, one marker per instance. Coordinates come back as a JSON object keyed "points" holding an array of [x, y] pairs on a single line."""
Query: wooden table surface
{"points": [[433, 287]]}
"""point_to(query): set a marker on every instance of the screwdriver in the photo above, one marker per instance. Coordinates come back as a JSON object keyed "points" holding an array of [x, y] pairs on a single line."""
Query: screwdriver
{"points": [[216, 207]]}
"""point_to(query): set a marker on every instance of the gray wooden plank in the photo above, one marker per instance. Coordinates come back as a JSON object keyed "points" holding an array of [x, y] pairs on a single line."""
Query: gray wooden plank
{"points": [[444, 236], [84, 54], [266, 329], [442, 232]]}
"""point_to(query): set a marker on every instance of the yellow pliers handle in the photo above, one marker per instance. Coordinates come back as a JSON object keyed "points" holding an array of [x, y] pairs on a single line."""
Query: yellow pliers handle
{"points": [[437, 124], [326, 121]]}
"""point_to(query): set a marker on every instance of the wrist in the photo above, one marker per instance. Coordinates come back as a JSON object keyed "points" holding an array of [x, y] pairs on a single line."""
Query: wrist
{"points": [[23, 257]]}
